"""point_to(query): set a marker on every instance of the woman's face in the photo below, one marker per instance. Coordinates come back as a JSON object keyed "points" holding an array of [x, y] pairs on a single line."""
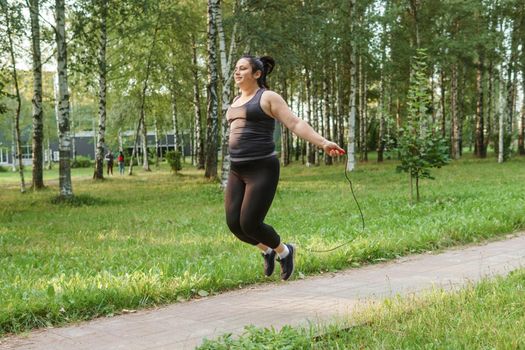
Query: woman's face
{"points": [[243, 74]]}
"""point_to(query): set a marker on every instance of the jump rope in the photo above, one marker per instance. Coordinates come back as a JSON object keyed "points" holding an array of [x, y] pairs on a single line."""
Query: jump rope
{"points": [[358, 207]]}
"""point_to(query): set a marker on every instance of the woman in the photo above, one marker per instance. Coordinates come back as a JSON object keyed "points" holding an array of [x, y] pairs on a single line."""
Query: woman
{"points": [[254, 172], [120, 160]]}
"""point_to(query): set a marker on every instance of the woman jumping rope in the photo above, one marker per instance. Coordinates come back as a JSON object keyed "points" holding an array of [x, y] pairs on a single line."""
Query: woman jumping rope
{"points": [[254, 172]]}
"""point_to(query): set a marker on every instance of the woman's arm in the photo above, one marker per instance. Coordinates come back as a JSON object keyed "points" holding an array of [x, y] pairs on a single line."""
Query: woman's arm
{"points": [[274, 105]]}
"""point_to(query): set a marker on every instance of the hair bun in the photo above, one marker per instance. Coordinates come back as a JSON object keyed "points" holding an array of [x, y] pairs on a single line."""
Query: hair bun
{"points": [[268, 63]]}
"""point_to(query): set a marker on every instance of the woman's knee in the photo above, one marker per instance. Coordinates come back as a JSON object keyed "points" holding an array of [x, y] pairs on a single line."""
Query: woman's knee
{"points": [[250, 226], [234, 224]]}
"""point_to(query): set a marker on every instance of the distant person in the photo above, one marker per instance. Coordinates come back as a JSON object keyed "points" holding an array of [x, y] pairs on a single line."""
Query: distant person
{"points": [[254, 172], [120, 160], [109, 159]]}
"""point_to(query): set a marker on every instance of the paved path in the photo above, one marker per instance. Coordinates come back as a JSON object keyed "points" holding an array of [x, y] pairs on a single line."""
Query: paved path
{"points": [[321, 298]]}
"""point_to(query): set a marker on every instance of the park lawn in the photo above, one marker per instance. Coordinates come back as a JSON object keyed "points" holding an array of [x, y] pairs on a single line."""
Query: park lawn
{"points": [[10, 179], [155, 238], [489, 315]]}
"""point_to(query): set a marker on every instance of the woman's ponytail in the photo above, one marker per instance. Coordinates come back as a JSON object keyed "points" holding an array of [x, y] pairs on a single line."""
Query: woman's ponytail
{"points": [[265, 64]]}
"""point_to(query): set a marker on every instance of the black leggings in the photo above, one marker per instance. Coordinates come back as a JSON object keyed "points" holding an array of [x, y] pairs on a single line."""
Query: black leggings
{"points": [[249, 194]]}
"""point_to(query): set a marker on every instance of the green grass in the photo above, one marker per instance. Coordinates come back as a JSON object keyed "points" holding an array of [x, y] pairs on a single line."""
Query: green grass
{"points": [[154, 238], [490, 315]]}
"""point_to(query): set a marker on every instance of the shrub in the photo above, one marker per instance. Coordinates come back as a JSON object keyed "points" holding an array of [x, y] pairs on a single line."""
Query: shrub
{"points": [[81, 162], [419, 148], [3, 169], [174, 160]]}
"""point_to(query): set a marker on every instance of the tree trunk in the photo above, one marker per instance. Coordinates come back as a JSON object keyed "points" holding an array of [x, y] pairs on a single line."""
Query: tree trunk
{"points": [[226, 72], [353, 89], [417, 188], [414, 9], [145, 158], [18, 99], [365, 119], [443, 113], [38, 113], [49, 155], [199, 141], [310, 149], [381, 107], [521, 131], [315, 123], [142, 121], [13, 146], [432, 101], [455, 153], [501, 118], [174, 118], [156, 143], [210, 171], [327, 118], [102, 71], [489, 106], [64, 140], [381, 134], [284, 131], [480, 142]]}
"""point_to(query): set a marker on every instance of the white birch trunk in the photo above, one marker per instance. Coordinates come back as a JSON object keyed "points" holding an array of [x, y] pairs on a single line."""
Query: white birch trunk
{"points": [[353, 89], [174, 120], [145, 160], [315, 124], [64, 147], [198, 139], [120, 141], [13, 147], [226, 71], [156, 142], [38, 114], [310, 149], [16, 127], [381, 107], [99, 163], [49, 155], [326, 112], [213, 101], [521, 132]]}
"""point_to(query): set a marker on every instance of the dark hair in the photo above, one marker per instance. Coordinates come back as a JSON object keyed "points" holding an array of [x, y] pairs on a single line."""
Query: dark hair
{"points": [[265, 64]]}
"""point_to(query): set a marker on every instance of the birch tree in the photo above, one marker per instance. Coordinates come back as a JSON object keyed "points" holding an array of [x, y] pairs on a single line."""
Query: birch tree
{"points": [[141, 125], [353, 89], [10, 16], [198, 139], [521, 130], [38, 112], [210, 171], [226, 75], [102, 73], [64, 143]]}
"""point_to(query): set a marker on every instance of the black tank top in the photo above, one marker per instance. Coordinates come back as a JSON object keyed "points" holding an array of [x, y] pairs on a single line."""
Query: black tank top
{"points": [[251, 131]]}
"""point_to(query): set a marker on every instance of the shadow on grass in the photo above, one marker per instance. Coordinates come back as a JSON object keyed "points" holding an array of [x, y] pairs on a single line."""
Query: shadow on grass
{"points": [[80, 200]]}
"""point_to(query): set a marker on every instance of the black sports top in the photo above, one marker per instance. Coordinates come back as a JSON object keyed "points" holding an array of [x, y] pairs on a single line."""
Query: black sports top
{"points": [[251, 131]]}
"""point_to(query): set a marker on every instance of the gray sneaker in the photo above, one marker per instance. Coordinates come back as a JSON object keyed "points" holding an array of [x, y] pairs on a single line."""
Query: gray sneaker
{"points": [[287, 264]]}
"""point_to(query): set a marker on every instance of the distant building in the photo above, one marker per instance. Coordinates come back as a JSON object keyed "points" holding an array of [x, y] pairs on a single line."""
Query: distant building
{"points": [[84, 144]]}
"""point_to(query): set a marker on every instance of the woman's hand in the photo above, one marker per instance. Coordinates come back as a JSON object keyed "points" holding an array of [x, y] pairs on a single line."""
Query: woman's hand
{"points": [[332, 148]]}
